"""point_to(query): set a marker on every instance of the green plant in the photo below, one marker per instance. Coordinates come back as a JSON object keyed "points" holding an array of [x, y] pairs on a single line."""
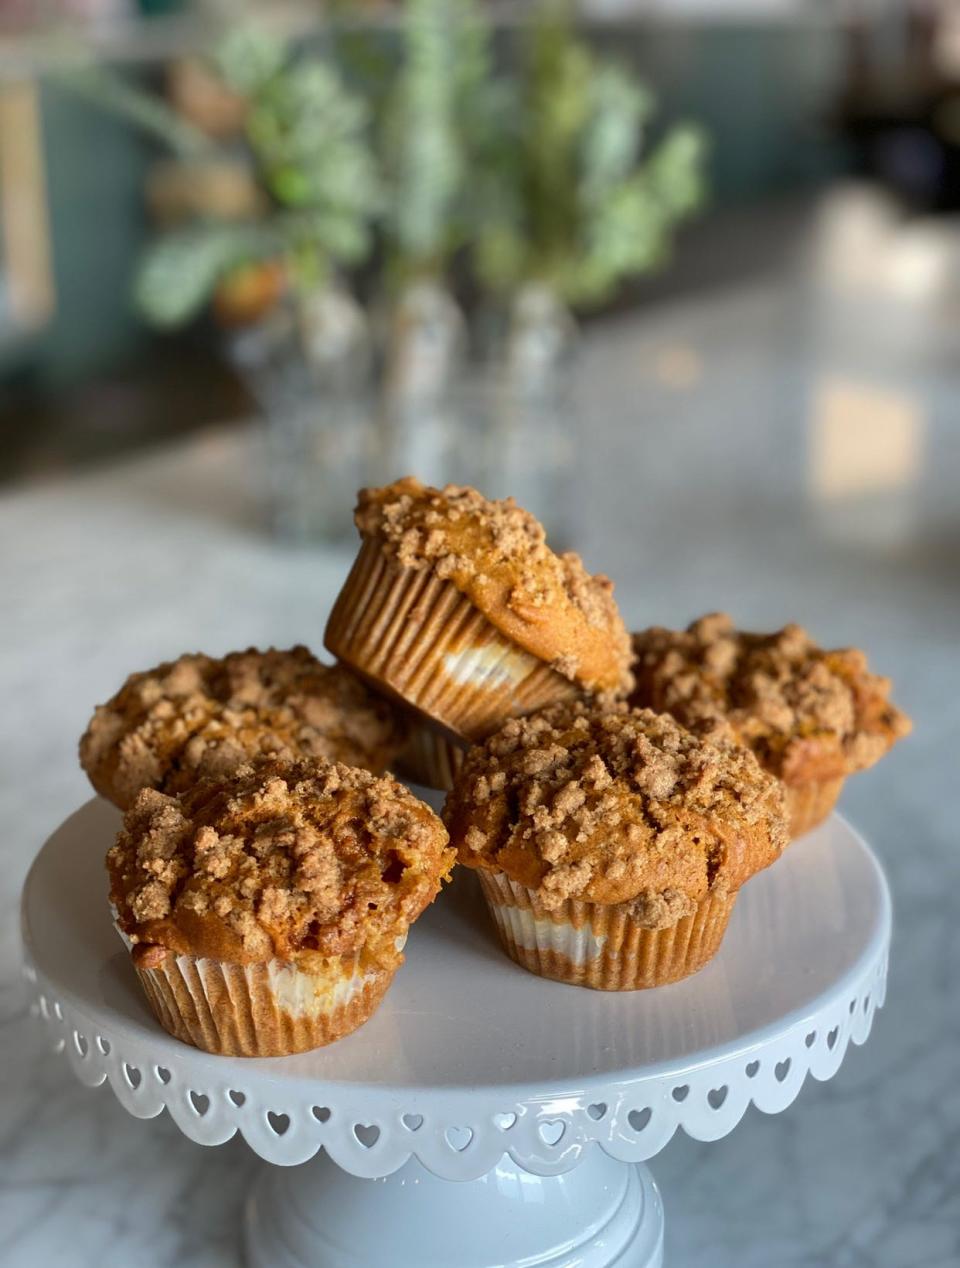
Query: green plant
{"points": [[309, 144], [309, 140], [432, 120], [565, 198]]}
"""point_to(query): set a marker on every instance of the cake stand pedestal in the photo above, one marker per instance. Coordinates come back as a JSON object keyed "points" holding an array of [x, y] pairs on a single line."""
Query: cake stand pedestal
{"points": [[542, 1100]]}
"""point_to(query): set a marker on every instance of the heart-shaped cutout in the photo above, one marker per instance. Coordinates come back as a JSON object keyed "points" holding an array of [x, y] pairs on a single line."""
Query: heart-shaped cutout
{"points": [[200, 1102], [80, 1043], [458, 1138], [638, 1119], [551, 1131], [279, 1123], [597, 1110], [811, 1039], [162, 1073], [412, 1122], [504, 1121], [751, 1069], [716, 1096], [321, 1113], [681, 1093], [238, 1098], [781, 1070], [367, 1133], [832, 1037], [103, 1045], [132, 1075]]}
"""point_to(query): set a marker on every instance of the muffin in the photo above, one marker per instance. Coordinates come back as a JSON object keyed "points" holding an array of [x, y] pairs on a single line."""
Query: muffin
{"points": [[198, 716], [265, 911], [457, 607], [811, 716], [611, 844]]}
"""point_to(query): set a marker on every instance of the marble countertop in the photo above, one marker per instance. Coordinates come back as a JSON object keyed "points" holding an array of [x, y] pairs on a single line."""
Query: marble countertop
{"points": [[788, 448]]}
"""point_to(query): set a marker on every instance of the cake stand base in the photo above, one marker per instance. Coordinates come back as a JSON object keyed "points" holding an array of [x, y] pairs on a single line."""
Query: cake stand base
{"points": [[603, 1214]]}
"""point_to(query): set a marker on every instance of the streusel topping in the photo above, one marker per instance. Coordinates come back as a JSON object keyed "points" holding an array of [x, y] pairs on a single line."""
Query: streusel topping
{"points": [[804, 711], [497, 554], [614, 806], [198, 716], [284, 860]]}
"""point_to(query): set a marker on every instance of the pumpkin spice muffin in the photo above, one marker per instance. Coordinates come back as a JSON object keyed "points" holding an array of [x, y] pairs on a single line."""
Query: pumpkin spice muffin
{"points": [[266, 911], [457, 607], [611, 844], [196, 716], [811, 716]]}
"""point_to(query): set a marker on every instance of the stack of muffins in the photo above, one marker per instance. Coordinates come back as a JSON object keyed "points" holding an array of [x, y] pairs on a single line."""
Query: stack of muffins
{"points": [[613, 795]]}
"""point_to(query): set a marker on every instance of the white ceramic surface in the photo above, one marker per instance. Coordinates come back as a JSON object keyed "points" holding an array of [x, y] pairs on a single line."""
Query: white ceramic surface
{"points": [[601, 1215], [475, 1068]]}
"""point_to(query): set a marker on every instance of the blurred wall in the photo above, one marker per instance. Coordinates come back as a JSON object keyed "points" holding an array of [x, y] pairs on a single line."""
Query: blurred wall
{"points": [[95, 168]]}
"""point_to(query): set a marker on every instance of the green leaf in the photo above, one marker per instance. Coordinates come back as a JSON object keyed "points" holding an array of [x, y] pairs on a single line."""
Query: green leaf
{"points": [[249, 57], [676, 169], [177, 273], [309, 135], [569, 198]]}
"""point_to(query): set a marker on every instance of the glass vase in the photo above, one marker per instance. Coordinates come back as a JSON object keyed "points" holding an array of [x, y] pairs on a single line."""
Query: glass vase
{"points": [[308, 365], [531, 432], [419, 424]]}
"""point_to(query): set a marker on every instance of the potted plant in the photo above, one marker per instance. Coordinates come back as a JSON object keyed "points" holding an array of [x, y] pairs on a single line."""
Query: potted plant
{"points": [[569, 204], [273, 280], [427, 121]]}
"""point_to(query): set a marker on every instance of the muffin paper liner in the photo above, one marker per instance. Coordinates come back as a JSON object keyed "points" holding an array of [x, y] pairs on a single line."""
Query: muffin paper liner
{"points": [[430, 758], [809, 803], [601, 945], [260, 1010], [415, 636]]}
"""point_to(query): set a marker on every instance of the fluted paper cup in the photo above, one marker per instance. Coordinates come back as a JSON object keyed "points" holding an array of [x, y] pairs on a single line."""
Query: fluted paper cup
{"points": [[261, 1010], [602, 945], [809, 803], [414, 636], [430, 758]]}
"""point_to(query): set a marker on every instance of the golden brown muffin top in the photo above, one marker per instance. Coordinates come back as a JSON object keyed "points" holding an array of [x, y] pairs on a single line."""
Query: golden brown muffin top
{"points": [[285, 860], [616, 806], [806, 713], [196, 716], [497, 555]]}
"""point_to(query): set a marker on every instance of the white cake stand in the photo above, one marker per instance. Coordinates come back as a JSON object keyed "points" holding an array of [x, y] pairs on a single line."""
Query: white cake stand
{"points": [[542, 1099]]}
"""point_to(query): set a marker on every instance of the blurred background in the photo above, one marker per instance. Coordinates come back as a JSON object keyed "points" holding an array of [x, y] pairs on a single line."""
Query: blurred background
{"points": [[371, 238], [683, 276]]}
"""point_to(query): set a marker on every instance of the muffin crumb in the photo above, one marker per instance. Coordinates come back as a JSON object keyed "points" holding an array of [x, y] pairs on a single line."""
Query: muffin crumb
{"points": [[615, 806], [797, 706], [280, 860], [199, 716]]}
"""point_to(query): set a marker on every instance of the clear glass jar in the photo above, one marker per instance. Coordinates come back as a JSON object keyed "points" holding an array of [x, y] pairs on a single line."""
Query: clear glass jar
{"points": [[308, 364], [419, 422], [530, 427]]}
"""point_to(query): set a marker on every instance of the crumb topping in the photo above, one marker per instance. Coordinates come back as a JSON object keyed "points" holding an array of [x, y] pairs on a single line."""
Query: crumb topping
{"points": [[615, 805], [284, 860], [497, 554], [199, 716], [805, 712]]}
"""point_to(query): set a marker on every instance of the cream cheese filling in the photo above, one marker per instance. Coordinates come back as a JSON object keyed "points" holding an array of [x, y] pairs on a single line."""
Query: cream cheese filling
{"points": [[492, 666], [580, 946]]}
